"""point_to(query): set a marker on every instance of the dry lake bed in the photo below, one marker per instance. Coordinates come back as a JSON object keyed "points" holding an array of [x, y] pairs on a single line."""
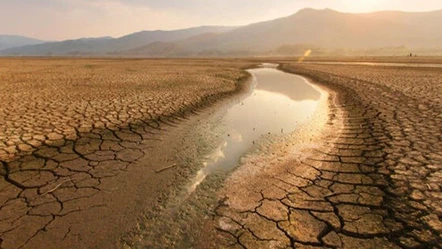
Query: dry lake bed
{"points": [[220, 153]]}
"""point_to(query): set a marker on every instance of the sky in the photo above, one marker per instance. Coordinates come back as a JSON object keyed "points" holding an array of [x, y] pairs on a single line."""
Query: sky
{"points": [[70, 19]]}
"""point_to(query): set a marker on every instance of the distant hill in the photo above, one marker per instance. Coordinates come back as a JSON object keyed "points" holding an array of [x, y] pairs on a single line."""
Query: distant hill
{"points": [[10, 41], [109, 45], [332, 29], [324, 31]]}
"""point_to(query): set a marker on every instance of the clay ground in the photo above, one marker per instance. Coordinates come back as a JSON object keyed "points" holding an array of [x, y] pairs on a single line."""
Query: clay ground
{"points": [[81, 139], [370, 179]]}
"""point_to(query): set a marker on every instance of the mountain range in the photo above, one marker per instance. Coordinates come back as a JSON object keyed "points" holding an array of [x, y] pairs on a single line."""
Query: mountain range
{"points": [[10, 41], [323, 31]]}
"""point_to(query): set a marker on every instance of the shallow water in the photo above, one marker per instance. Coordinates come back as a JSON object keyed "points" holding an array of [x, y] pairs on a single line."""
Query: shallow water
{"points": [[277, 104]]}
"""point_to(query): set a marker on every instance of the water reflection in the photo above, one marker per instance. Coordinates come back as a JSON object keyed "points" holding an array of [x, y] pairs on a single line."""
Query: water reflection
{"points": [[289, 85], [278, 102]]}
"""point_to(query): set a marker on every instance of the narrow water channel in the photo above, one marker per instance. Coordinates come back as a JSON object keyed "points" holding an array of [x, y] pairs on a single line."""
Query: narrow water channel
{"points": [[278, 102]]}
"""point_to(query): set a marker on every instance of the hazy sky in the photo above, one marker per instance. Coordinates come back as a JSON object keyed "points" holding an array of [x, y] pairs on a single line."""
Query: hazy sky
{"points": [[67, 19]]}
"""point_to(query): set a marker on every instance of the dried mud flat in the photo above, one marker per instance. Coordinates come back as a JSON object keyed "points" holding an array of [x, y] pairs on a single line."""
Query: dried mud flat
{"points": [[370, 179], [77, 165], [47, 101], [81, 139]]}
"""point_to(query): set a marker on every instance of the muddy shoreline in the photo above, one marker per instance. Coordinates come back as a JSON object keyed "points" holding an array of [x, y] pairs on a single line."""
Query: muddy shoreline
{"points": [[187, 143], [162, 229], [360, 183], [87, 193], [364, 185]]}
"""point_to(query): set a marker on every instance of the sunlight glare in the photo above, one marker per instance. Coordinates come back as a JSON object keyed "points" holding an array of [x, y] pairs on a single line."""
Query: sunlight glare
{"points": [[361, 5]]}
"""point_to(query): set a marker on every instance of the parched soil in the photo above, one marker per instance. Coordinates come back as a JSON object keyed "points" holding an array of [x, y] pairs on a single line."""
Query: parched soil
{"points": [[372, 179], [81, 140], [48, 101], [84, 144]]}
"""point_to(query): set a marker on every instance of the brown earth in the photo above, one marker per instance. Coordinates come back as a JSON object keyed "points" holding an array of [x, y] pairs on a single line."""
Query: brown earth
{"points": [[47, 101], [370, 179], [81, 139]]}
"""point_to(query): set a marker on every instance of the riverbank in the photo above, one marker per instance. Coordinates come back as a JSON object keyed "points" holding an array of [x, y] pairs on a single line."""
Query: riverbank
{"points": [[251, 205], [401, 108], [371, 180], [105, 127], [228, 138]]}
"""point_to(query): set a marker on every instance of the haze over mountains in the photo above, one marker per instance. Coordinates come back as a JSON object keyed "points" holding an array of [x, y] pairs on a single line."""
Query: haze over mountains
{"points": [[107, 45], [10, 41], [323, 31]]}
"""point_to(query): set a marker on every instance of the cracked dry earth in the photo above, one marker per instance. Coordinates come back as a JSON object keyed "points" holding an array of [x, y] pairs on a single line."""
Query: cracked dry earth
{"points": [[372, 179], [78, 137]]}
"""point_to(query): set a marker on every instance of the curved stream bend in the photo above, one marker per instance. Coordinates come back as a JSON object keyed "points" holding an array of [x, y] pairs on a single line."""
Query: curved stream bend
{"points": [[277, 104]]}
